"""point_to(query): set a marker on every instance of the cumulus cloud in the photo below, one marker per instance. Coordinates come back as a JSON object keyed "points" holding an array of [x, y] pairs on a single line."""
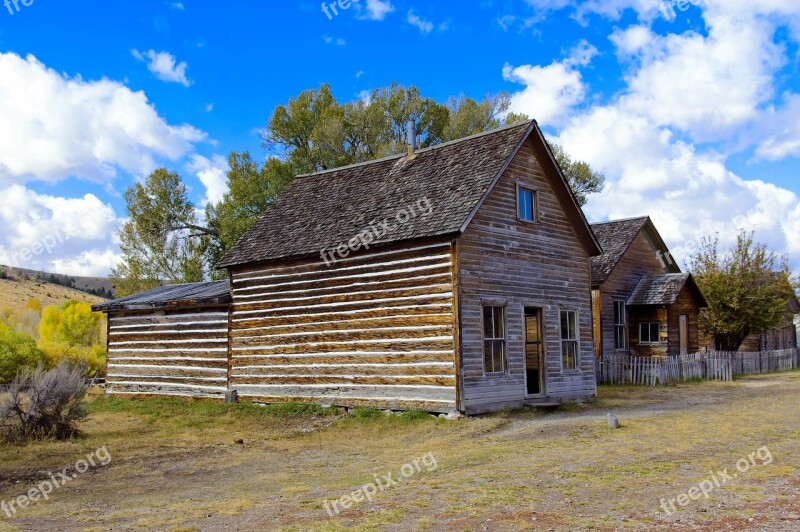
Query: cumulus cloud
{"points": [[424, 26], [55, 127], [550, 91], [213, 173], [689, 102], [377, 9], [64, 235], [164, 66]]}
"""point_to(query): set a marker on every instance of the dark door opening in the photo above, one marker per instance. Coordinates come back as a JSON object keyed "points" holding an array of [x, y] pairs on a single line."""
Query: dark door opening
{"points": [[534, 351]]}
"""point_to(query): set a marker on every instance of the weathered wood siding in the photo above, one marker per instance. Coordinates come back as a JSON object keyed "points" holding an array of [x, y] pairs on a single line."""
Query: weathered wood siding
{"points": [[641, 259], [168, 353], [648, 314], [517, 264], [374, 329]]}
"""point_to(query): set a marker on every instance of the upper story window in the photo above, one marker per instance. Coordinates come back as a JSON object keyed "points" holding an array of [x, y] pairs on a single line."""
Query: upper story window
{"points": [[526, 204]]}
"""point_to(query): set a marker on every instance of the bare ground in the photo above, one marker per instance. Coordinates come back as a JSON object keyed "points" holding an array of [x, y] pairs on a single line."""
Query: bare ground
{"points": [[179, 467]]}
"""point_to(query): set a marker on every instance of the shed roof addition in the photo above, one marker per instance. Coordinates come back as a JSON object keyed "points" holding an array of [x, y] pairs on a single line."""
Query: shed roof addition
{"points": [[663, 289], [439, 189], [172, 296]]}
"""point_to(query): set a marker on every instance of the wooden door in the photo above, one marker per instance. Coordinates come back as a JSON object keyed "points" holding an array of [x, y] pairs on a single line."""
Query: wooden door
{"points": [[683, 330]]}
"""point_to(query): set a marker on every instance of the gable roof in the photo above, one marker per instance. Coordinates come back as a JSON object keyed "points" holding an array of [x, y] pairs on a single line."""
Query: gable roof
{"points": [[177, 295], [326, 209], [663, 289], [616, 237]]}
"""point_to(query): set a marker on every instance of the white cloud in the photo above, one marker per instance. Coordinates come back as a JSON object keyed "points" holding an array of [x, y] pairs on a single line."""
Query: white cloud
{"points": [[209, 107], [424, 26], [179, 6], [378, 9], [213, 173], [330, 40], [55, 127], [550, 91], [63, 235], [164, 66], [689, 102]]}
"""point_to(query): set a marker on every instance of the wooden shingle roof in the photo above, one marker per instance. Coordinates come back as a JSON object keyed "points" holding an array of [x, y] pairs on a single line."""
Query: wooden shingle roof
{"points": [[172, 296], [615, 238], [324, 210], [663, 289]]}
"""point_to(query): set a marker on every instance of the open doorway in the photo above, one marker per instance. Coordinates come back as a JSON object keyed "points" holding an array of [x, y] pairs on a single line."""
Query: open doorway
{"points": [[534, 352]]}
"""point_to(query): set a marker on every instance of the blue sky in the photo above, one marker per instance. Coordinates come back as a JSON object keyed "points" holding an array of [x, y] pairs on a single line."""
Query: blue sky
{"points": [[694, 119]]}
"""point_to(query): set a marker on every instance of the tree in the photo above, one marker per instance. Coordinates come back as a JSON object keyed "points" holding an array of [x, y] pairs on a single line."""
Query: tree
{"points": [[72, 324], [582, 179], [469, 117], [251, 188], [17, 352], [747, 289], [162, 240]]}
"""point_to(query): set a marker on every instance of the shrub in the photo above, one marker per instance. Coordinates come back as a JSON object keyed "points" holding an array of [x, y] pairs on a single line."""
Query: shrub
{"points": [[18, 352], [92, 358], [43, 404]]}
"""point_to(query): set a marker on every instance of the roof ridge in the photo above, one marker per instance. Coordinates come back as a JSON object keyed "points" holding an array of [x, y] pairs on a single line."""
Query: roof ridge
{"points": [[621, 220], [422, 150]]}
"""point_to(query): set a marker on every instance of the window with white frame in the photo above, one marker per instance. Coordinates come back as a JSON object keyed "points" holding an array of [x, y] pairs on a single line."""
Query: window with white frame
{"points": [[569, 340], [494, 339]]}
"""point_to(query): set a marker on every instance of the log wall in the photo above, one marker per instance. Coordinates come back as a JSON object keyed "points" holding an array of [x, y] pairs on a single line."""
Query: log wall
{"points": [[374, 329], [168, 353], [516, 264]]}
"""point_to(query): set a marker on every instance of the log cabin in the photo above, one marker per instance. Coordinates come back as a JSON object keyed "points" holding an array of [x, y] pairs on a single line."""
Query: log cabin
{"points": [[452, 278], [171, 340], [643, 304]]}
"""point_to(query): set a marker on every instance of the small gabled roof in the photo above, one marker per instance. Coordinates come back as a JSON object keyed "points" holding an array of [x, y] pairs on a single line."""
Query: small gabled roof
{"points": [[616, 237], [440, 188], [172, 296], [664, 289]]}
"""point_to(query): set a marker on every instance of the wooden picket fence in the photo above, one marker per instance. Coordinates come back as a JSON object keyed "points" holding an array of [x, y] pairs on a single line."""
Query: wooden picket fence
{"points": [[710, 365]]}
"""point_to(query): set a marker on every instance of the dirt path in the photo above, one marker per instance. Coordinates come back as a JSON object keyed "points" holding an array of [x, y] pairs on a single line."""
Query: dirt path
{"points": [[178, 467]]}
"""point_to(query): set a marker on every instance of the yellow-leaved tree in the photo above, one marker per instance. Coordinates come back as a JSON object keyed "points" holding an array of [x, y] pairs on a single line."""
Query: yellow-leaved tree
{"points": [[75, 333]]}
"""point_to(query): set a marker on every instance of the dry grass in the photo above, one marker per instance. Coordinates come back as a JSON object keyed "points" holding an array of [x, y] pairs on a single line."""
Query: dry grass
{"points": [[177, 466], [15, 294]]}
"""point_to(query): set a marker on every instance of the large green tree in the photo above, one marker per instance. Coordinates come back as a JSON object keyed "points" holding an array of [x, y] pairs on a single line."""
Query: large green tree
{"points": [[747, 289], [162, 240], [251, 188], [165, 241]]}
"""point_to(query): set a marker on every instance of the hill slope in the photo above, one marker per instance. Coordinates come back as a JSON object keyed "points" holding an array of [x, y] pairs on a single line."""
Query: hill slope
{"points": [[14, 294]]}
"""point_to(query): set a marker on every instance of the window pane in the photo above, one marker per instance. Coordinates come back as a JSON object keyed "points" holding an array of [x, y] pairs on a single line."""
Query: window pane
{"points": [[488, 358], [499, 326], [488, 322], [564, 325], [525, 204], [499, 350], [644, 333], [655, 332], [573, 327]]}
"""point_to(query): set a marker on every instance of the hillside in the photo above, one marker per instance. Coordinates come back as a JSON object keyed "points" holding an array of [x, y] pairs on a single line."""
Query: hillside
{"points": [[86, 284], [15, 294]]}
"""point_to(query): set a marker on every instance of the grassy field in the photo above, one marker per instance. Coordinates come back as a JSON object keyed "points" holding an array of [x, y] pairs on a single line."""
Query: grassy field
{"points": [[204, 466], [15, 294]]}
